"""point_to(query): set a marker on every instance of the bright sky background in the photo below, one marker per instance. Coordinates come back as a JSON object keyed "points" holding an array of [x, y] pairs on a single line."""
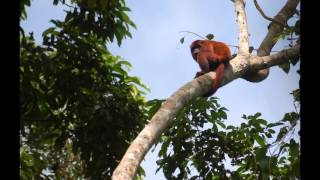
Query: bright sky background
{"points": [[165, 65]]}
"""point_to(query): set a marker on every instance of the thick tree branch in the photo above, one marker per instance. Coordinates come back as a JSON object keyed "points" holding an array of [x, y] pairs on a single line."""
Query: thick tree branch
{"points": [[242, 26], [269, 41], [238, 66], [126, 169], [258, 62], [283, 16]]}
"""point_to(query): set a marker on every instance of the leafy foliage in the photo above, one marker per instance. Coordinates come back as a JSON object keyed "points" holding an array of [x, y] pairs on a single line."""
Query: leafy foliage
{"points": [[292, 34], [22, 10], [79, 107], [200, 143]]}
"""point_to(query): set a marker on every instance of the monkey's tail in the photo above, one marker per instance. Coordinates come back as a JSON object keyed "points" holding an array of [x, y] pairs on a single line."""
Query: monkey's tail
{"points": [[216, 83]]}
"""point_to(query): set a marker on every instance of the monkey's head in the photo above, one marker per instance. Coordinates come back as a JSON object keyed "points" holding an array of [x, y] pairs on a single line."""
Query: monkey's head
{"points": [[195, 48]]}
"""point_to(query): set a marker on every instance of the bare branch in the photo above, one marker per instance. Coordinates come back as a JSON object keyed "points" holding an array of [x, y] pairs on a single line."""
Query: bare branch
{"points": [[265, 16], [243, 27], [189, 32], [126, 169]]}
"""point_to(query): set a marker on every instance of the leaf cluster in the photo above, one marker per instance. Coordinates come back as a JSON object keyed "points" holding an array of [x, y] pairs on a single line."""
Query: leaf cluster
{"points": [[200, 145], [79, 106]]}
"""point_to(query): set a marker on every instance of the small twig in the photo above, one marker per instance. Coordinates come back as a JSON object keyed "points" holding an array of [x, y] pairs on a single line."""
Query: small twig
{"points": [[206, 38], [193, 34], [266, 17], [290, 39], [253, 49]]}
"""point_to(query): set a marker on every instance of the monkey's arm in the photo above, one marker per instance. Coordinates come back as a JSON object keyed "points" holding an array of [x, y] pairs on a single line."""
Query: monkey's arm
{"points": [[202, 60]]}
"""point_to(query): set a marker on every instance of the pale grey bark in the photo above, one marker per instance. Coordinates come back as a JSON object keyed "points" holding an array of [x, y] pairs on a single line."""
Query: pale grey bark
{"points": [[242, 27]]}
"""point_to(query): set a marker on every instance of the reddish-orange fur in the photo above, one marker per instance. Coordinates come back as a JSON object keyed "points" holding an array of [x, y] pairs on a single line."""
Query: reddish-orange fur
{"points": [[211, 56]]}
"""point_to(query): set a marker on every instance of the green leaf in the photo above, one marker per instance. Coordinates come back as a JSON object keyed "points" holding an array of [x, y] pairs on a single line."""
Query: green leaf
{"points": [[56, 22], [274, 124], [290, 117], [132, 24], [296, 95], [260, 140], [260, 153], [262, 121], [282, 133], [125, 17], [294, 60], [124, 8], [182, 40], [119, 36], [222, 114], [50, 31], [128, 34], [244, 116], [141, 172], [210, 36], [230, 127], [268, 135], [264, 164], [126, 63], [221, 124], [256, 115], [154, 105], [294, 148], [282, 160], [135, 80], [27, 2], [285, 67], [271, 131]]}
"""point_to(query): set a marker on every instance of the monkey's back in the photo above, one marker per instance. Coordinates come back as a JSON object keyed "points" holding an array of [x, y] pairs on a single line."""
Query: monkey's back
{"points": [[220, 49]]}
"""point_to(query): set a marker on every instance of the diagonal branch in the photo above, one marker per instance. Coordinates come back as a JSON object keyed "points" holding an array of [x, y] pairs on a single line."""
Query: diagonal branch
{"points": [[127, 168], [242, 26], [266, 17]]}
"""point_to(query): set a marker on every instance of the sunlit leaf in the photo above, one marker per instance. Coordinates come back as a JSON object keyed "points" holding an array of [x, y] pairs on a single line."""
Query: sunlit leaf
{"points": [[210, 36]]}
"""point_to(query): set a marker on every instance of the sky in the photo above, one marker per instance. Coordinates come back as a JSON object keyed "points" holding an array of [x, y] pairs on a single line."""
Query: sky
{"points": [[164, 65]]}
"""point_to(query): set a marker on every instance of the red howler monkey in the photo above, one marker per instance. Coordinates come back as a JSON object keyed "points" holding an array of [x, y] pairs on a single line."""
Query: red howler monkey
{"points": [[211, 56]]}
